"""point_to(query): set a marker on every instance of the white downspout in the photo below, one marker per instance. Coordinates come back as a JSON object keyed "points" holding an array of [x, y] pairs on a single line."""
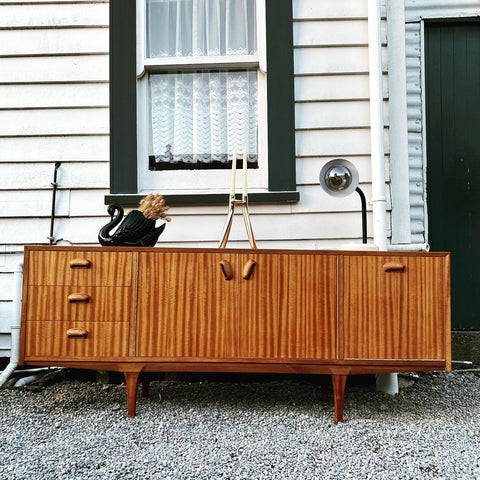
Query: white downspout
{"points": [[15, 328], [387, 383], [379, 200]]}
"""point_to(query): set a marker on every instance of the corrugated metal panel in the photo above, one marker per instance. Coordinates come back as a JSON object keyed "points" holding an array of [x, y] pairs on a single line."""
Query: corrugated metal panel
{"points": [[416, 10], [414, 113]]}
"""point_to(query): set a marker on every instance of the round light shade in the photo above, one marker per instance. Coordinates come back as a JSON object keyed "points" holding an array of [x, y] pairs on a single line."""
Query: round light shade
{"points": [[339, 177]]}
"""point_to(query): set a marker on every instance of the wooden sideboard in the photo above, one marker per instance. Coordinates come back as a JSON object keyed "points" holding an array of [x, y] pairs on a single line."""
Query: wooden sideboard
{"points": [[137, 310]]}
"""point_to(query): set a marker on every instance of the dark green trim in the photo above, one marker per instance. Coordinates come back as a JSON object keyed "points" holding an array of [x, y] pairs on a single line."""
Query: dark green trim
{"points": [[206, 199], [280, 96], [123, 101], [280, 99]]}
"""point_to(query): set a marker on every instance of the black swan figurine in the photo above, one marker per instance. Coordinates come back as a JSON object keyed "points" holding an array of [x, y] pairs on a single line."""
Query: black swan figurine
{"points": [[138, 227]]}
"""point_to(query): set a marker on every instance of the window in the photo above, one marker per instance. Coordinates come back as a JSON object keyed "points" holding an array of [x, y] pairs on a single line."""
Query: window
{"points": [[201, 92]]}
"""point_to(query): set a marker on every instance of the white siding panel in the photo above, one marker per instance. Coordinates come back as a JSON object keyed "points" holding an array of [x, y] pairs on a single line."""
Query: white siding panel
{"points": [[6, 285], [53, 41], [85, 203], [54, 95], [70, 175], [54, 15], [331, 60], [334, 32], [6, 316], [335, 114], [335, 142], [25, 203], [90, 68], [55, 149], [305, 9], [54, 122]]}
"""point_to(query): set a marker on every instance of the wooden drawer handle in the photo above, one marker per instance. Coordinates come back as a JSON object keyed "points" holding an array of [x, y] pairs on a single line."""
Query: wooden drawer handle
{"points": [[77, 333], [227, 269], [248, 269], [394, 267], [80, 263], [78, 298]]}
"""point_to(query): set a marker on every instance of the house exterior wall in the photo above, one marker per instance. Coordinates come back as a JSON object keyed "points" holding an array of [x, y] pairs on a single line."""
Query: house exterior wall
{"points": [[54, 108], [416, 11]]}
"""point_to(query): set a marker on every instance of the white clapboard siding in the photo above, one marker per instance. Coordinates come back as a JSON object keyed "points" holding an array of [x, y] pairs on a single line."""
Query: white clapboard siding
{"points": [[5, 318], [55, 148], [53, 14], [335, 114], [331, 60], [6, 286], [58, 41], [335, 87], [74, 121], [70, 95], [335, 142], [325, 9], [71, 68], [334, 32], [71, 175], [25, 203]]}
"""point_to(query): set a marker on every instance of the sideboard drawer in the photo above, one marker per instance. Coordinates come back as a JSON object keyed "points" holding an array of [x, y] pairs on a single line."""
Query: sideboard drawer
{"points": [[76, 340], [80, 268], [83, 303]]}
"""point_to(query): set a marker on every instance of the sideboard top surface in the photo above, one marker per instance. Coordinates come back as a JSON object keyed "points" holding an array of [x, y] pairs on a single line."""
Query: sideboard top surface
{"points": [[247, 251]]}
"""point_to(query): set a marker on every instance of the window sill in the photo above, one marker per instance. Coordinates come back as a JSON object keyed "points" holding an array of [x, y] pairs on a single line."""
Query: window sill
{"points": [[207, 198]]}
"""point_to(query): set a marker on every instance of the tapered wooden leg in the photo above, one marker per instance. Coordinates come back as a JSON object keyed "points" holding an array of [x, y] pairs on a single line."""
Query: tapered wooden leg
{"points": [[131, 378], [339, 382]]}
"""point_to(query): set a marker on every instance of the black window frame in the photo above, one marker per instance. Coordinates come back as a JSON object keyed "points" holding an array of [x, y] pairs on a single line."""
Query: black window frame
{"points": [[280, 108]]}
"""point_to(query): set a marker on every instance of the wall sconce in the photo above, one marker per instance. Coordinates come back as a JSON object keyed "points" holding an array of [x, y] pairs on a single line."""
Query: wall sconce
{"points": [[339, 178]]}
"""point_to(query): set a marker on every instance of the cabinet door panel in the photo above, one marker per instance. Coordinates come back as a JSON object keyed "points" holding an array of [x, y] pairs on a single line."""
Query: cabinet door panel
{"points": [[186, 306], [394, 313], [288, 307]]}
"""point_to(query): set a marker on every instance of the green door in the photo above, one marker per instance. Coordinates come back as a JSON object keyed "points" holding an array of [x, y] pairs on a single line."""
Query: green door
{"points": [[452, 68]]}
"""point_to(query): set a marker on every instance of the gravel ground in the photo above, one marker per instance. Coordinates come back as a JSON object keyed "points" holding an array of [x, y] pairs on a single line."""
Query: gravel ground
{"points": [[257, 429]]}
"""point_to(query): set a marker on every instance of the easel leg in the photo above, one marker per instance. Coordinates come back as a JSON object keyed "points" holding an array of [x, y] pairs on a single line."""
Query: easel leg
{"points": [[131, 378], [339, 382]]}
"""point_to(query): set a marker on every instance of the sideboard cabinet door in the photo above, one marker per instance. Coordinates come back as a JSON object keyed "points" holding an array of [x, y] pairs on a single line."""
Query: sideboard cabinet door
{"points": [[186, 305], [288, 307], [394, 308]]}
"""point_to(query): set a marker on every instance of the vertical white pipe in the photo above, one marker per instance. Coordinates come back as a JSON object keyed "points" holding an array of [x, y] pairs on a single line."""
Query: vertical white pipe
{"points": [[15, 328], [379, 200], [387, 383], [397, 81]]}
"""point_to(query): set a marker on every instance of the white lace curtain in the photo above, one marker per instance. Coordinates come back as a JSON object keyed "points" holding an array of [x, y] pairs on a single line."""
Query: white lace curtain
{"points": [[203, 117], [177, 28]]}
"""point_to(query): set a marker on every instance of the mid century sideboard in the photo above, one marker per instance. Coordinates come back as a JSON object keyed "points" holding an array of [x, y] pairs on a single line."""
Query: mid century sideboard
{"points": [[137, 310]]}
